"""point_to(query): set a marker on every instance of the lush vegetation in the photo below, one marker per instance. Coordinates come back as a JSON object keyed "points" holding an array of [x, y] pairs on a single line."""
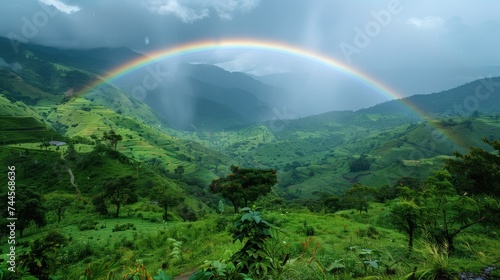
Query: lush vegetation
{"points": [[342, 195]]}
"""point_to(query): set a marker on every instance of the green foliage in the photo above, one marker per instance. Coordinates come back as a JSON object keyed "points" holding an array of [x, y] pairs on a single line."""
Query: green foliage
{"points": [[167, 199], [28, 208], [120, 191], [262, 256], [360, 164], [217, 270], [308, 230], [437, 265], [176, 248], [187, 213], [122, 227], [244, 186], [58, 203], [112, 138], [101, 270], [87, 225], [359, 197], [41, 258], [407, 216], [478, 171], [179, 170], [440, 211]]}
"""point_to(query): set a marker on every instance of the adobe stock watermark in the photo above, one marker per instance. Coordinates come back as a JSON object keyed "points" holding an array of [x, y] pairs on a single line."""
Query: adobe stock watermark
{"points": [[155, 76], [364, 36], [31, 26]]}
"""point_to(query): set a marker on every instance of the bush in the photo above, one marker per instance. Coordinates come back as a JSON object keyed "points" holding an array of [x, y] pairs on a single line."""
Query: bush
{"points": [[221, 224], [188, 214], [88, 225], [309, 231], [122, 227], [76, 252], [372, 232]]}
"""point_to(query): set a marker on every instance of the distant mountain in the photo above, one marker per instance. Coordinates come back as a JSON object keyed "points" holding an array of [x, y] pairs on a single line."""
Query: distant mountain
{"points": [[217, 76], [194, 96], [209, 97], [97, 61], [480, 95]]}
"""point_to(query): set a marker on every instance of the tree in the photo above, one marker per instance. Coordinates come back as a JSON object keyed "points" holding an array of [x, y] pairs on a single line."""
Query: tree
{"points": [[244, 186], [112, 138], [179, 170], [448, 213], [406, 215], [45, 145], [58, 203], [477, 172], [359, 196], [119, 192], [331, 203], [166, 199], [29, 208]]}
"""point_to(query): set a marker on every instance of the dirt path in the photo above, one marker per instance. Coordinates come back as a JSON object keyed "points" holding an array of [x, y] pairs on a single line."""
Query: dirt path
{"points": [[355, 179], [72, 177], [185, 276]]}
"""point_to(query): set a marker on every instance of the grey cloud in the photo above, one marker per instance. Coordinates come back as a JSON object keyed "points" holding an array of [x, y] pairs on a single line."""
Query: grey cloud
{"points": [[194, 10], [61, 6], [457, 34], [16, 67]]}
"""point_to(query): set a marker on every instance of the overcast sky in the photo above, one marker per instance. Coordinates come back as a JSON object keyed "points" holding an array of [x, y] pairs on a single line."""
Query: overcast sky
{"points": [[379, 37]]}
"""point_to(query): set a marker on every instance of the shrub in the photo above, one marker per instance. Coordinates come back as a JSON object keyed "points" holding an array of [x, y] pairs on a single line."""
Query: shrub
{"points": [[310, 231], [87, 225], [372, 232], [221, 224], [122, 227], [188, 214]]}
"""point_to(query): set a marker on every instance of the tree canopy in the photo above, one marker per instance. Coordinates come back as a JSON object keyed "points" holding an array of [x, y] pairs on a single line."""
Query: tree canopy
{"points": [[118, 191], [112, 138], [477, 172], [58, 203], [29, 207], [244, 185], [441, 211]]}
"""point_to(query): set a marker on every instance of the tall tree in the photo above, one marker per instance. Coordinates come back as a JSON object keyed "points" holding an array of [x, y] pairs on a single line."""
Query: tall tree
{"points": [[58, 203], [359, 196], [120, 191], [448, 213], [166, 198], [112, 138], [407, 215], [244, 186]]}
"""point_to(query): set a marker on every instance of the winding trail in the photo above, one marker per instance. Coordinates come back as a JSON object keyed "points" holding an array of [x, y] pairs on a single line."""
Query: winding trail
{"points": [[72, 177], [355, 178]]}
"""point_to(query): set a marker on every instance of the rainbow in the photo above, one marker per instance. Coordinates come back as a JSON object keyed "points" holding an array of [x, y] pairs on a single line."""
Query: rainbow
{"points": [[200, 47], [245, 45]]}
